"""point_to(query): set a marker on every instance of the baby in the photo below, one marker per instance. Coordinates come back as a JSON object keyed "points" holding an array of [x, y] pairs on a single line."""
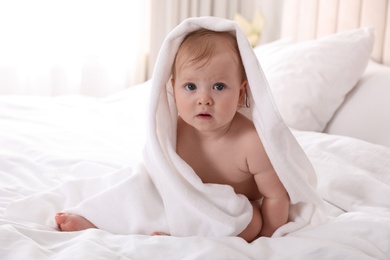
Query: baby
{"points": [[219, 143]]}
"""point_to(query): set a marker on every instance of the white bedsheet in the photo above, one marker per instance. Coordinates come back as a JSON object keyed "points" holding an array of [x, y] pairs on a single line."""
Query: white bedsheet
{"points": [[47, 141]]}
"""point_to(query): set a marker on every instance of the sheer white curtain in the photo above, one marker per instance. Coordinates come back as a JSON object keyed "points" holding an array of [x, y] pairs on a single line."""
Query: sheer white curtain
{"points": [[90, 47], [169, 13]]}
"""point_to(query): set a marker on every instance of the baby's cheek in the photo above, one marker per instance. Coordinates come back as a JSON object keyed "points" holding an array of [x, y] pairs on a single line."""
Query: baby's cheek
{"points": [[229, 109]]}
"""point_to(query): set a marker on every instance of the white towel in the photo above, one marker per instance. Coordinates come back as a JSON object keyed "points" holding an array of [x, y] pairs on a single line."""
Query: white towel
{"points": [[164, 193]]}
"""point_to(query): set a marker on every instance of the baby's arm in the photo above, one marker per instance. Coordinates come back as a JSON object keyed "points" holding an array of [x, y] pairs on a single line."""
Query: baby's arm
{"points": [[276, 202], [252, 231]]}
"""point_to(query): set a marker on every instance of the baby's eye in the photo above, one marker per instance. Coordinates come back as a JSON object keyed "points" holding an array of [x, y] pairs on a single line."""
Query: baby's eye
{"points": [[190, 86], [219, 86]]}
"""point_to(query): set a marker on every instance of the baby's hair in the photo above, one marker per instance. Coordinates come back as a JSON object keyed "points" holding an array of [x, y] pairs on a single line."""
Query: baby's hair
{"points": [[198, 47]]}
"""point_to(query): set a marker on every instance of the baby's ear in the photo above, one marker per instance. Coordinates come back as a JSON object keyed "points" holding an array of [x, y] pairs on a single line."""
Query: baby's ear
{"points": [[173, 89], [242, 97]]}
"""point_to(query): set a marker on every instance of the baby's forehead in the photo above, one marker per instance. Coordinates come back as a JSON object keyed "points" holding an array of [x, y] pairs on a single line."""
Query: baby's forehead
{"points": [[207, 51], [208, 41], [200, 46], [196, 60], [205, 46]]}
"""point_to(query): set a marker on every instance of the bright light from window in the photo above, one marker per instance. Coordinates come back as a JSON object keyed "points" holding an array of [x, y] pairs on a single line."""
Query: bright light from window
{"points": [[37, 34]]}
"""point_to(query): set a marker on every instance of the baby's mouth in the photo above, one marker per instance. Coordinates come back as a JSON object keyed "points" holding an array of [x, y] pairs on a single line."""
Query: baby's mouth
{"points": [[204, 116]]}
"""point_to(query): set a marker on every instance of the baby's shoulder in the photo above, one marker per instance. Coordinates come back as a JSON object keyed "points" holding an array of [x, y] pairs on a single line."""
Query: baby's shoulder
{"points": [[245, 126], [247, 133]]}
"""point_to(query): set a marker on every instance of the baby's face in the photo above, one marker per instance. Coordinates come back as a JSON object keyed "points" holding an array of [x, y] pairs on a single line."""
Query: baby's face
{"points": [[207, 97]]}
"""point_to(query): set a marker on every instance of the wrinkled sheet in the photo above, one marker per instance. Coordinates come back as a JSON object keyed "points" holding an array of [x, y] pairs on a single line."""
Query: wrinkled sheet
{"points": [[45, 142]]}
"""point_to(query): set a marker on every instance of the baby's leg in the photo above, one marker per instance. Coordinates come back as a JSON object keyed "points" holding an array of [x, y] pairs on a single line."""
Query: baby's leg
{"points": [[69, 222], [252, 231]]}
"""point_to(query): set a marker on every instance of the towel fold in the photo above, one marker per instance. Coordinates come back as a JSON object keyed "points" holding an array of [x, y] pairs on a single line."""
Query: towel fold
{"points": [[165, 194]]}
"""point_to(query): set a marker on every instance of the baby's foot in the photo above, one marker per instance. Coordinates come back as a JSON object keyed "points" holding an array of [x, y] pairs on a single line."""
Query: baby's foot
{"points": [[69, 222], [159, 234]]}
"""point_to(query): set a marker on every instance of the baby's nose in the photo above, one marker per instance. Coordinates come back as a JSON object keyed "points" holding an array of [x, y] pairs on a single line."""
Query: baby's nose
{"points": [[205, 98]]}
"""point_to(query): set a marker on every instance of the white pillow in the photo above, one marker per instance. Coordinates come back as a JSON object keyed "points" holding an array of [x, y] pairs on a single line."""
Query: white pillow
{"points": [[310, 79], [365, 111]]}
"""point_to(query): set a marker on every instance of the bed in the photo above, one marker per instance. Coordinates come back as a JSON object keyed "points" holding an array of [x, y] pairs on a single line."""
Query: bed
{"points": [[338, 113]]}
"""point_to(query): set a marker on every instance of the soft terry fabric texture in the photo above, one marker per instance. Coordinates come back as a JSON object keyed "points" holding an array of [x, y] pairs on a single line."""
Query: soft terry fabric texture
{"points": [[163, 193], [311, 79]]}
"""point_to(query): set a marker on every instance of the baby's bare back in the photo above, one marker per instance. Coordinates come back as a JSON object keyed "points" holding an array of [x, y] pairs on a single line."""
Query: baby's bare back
{"points": [[222, 159]]}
